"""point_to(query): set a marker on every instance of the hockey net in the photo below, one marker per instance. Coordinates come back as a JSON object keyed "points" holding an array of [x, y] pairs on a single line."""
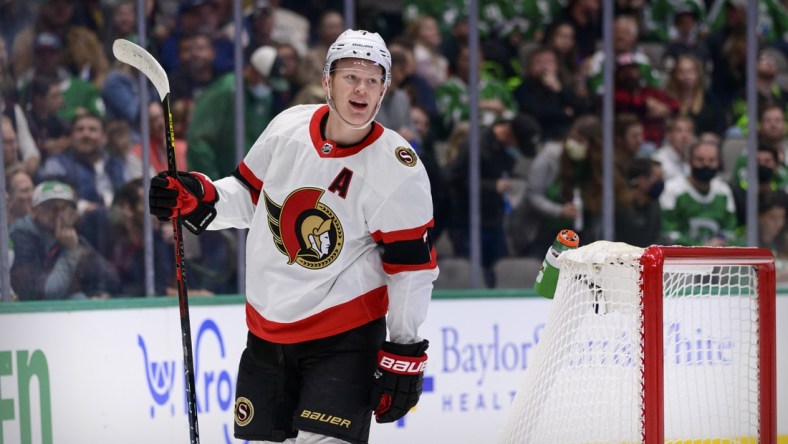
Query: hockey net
{"points": [[666, 344]]}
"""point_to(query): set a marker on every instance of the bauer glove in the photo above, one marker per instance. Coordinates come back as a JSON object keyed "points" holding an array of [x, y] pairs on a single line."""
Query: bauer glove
{"points": [[191, 193], [398, 379]]}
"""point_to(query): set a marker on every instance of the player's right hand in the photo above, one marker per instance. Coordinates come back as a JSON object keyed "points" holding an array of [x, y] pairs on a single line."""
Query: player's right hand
{"points": [[193, 194]]}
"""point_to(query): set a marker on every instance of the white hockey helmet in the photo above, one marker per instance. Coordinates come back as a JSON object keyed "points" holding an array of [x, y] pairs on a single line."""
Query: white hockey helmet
{"points": [[359, 44]]}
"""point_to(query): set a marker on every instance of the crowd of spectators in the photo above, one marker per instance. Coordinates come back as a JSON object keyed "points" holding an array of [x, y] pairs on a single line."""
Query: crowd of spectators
{"points": [[72, 145]]}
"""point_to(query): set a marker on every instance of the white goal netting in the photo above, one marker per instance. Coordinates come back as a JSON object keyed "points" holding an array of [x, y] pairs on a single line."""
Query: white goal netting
{"points": [[586, 382]]}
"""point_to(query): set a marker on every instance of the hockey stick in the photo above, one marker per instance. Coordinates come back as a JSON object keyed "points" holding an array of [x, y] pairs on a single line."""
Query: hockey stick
{"points": [[136, 56]]}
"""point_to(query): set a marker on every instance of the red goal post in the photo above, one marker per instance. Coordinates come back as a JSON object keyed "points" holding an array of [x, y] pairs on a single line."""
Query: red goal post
{"points": [[653, 261], [656, 345]]}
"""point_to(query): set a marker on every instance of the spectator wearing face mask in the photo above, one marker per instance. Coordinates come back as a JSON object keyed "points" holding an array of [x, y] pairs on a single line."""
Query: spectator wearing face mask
{"points": [[210, 136], [558, 173], [640, 223], [699, 209]]}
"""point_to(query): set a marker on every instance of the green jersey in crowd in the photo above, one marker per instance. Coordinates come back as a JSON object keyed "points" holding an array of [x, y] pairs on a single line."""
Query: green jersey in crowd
{"points": [[691, 218]]}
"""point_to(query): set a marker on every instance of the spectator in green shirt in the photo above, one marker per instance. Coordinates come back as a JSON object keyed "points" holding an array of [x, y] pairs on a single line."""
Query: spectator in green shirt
{"points": [[211, 133], [699, 209], [495, 100]]}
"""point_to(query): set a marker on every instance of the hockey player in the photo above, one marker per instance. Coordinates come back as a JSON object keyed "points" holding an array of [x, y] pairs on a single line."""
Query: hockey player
{"points": [[339, 216]]}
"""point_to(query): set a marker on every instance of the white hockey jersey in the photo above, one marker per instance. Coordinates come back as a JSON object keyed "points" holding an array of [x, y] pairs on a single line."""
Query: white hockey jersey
{"points": [[316, 214]]}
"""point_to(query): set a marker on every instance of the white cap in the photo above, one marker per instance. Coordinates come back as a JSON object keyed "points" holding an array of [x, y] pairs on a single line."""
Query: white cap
{"points": [[263, 59], [52, 190]]}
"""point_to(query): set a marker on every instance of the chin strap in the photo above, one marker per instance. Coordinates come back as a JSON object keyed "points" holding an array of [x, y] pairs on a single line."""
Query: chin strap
{"points": [[330, 102]]}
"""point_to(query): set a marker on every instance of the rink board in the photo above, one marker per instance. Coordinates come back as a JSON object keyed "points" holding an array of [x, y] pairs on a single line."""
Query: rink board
{"points": [[111, 371]]}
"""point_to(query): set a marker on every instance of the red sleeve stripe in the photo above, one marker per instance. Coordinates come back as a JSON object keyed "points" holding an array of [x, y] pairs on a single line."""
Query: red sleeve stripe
{"points": [[399, 268], [402, 235], [251, 179]]}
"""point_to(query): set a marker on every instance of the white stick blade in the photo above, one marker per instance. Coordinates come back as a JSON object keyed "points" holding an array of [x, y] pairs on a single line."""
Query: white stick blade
{"points": [[136, 56]]}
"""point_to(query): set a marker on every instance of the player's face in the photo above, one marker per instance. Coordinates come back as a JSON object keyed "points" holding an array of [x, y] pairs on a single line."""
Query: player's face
{"points": [[356, 87]]}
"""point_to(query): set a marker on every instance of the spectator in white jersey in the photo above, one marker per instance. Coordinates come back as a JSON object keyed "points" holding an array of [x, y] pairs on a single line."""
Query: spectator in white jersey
{"points": [[673, 154], [339, 216], [699, 209]]}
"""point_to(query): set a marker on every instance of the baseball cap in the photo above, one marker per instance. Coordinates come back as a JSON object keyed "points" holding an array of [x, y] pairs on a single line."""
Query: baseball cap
{"points": [[47, 40], [51, 190]]}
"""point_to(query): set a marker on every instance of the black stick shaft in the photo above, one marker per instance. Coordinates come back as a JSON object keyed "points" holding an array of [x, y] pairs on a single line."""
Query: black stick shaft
{"points": [[180, 270]]}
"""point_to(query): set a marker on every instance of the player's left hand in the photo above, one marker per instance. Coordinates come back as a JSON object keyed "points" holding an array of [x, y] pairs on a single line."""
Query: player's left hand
{"points": [[398, 379]]}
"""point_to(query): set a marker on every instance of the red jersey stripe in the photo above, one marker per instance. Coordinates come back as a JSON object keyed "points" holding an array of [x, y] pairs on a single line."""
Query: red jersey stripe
{"points": [[256, 183], [402, 235], [337, 319]]}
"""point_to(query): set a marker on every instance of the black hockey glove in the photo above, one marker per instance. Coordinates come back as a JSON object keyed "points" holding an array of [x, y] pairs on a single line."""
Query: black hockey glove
{"points": [[398, 379], [192, 193]]}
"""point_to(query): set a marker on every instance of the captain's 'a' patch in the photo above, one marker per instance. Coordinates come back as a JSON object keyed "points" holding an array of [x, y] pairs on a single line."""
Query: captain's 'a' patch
{"points": [[406, 156]]}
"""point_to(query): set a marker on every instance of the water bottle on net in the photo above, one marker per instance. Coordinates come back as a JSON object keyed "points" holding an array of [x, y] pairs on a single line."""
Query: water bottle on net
{"points": [[547, 279]]}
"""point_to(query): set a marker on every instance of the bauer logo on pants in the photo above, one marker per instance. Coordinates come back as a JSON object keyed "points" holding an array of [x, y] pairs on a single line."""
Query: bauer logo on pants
{"points": [[244, 411], [304, 229]]}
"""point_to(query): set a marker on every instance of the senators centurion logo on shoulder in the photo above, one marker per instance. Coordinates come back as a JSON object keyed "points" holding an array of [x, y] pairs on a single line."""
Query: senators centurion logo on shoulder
{"points": [[305, 230], [406, 156]]}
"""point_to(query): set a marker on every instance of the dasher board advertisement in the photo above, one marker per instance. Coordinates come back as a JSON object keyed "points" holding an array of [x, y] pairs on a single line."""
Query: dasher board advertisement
{"points": [[115, 374]]}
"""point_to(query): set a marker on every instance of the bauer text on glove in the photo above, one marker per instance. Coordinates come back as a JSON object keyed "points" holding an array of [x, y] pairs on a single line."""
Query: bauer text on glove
{"points": [[398, 379]]}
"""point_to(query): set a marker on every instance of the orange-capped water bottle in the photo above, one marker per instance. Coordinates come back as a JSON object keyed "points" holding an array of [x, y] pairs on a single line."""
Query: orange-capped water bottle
{"points": [[547, 279]]}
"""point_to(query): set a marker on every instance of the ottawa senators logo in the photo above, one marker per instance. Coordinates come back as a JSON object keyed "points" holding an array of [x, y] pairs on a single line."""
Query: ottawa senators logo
{"points": [[406, 156], [305, 230], [244, 411]]}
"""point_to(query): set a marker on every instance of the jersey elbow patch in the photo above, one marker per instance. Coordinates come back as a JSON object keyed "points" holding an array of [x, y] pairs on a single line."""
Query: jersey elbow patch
{"points": [[249, 180], [409, 255]]}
